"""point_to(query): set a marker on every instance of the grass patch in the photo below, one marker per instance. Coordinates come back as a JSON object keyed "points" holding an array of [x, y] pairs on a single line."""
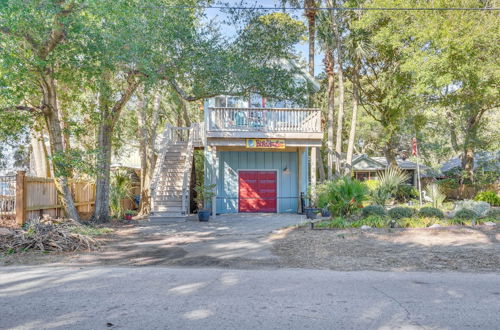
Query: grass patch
{"points": [[90, 230]]}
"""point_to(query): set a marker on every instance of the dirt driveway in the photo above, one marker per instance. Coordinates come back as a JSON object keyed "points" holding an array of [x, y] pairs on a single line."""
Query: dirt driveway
{"points": [[258, 241]]}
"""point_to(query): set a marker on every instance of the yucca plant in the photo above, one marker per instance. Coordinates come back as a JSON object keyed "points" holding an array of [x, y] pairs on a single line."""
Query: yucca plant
{"points": [[389, 181], [433, 191]]}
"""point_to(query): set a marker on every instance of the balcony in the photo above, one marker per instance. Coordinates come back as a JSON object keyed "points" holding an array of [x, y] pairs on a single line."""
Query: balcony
{"points": [[286, 123]]}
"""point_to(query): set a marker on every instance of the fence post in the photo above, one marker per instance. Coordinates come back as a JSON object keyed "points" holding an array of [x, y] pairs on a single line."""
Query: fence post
{"points": [[20, 197]]}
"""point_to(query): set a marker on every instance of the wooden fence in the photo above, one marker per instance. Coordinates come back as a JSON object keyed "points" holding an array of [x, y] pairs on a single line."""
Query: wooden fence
{"points": [[24, 197]]}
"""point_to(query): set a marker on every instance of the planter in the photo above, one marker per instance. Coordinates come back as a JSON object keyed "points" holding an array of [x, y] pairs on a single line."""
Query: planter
{"points": [[325, 213], [203, 215], [128, 216], [311, 213]]}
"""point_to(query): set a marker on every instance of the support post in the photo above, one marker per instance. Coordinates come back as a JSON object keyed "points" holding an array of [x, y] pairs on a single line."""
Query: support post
{"points": [[313, 174], [20, 197], [299, 178], [215, 169]]}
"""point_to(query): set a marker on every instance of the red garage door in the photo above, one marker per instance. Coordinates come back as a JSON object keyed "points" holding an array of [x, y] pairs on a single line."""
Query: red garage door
{"points": [[257, 191]]}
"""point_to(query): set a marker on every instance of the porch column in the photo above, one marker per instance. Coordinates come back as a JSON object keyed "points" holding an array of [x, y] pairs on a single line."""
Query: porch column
{"points": [[313, 172], [299, 177], [215, 171]]}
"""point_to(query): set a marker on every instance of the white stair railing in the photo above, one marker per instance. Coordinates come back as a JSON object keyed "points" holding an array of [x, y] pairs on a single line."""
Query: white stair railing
{"points": [[166, 140], [186, 180]]}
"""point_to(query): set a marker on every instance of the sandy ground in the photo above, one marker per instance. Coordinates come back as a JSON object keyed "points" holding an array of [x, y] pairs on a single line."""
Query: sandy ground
{"points": [[242, 242], [451, 249]]}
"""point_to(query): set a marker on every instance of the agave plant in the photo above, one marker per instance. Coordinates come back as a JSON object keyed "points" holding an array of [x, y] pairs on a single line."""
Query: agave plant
{"points": [[433, 191]]}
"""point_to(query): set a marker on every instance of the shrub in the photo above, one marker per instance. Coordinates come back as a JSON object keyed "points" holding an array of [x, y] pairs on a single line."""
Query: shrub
{"points": [[338, 222], [489, 197], [494, 214], [435, 194], [373, 210], [432, 212], [375, 221], [400, 212], [405, 192], [418, 222], [449, 183], [466, 214], [480, 208], [344, 195]]}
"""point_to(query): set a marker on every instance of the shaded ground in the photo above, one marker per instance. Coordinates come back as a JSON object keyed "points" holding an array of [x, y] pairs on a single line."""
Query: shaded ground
{"points": [[256, 241]]}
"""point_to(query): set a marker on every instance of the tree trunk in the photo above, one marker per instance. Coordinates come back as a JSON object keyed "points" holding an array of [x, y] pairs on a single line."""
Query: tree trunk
{"points": [[104, 137], [147, 138], [390, 152], [329, 64], [51, 117], [354, 119], [340, 114], [109, 117]]}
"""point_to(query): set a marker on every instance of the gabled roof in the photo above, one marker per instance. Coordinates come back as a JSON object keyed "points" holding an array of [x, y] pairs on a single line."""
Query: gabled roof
{"points": [[380, 163]]}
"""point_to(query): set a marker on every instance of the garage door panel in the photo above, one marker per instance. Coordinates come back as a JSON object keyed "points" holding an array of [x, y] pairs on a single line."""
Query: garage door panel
{"points": [[257, 191]]}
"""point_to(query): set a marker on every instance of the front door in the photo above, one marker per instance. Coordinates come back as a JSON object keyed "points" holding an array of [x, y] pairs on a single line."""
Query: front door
{"points": [[257, 191]]}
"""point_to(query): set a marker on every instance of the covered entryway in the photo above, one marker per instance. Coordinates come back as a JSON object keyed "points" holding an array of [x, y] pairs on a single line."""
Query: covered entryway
{"points": [[257, 191]]}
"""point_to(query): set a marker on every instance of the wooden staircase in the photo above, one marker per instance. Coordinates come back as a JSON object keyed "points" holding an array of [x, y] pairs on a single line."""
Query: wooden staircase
{"points": [[171, 181]]}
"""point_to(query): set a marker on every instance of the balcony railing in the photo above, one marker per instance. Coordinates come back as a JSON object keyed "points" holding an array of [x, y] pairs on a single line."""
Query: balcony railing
{"points": [[268, 120]]}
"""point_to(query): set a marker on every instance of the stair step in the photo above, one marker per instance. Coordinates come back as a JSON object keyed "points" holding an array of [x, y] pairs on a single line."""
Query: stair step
{"points": [[169, 202], [163, 208], [167, 215]]}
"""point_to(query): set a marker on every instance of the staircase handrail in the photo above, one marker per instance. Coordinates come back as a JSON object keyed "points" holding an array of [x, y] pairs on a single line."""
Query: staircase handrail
{"points": [[187, 169], [159, 161]]}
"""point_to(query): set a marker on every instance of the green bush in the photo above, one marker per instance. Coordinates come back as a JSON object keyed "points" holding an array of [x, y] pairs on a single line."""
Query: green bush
{"points": [[466, 214], [405, 192], [372, 184], [389, 181], [431, 212], [344, 195], [449, 183], [493, 214], [418, 222], [375, 221], [400, 212], [373, 210], [338, 222], [488, 196]]}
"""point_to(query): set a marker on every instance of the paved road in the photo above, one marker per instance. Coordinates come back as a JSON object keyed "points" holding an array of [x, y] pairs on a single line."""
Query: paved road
{"points": [[166, 298]]}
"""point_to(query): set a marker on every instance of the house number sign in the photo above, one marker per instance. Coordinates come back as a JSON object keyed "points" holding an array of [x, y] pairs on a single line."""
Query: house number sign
{"points": [[266, 143]]}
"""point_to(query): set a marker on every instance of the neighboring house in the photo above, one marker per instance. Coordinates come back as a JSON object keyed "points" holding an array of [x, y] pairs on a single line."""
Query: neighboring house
{"points": [[483, 161], [256, 153], [365, 167]]}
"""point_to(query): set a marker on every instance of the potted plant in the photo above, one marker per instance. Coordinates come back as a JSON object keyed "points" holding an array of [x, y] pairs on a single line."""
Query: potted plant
{"points": [[129, 214], [312, 210], [204, 193]]}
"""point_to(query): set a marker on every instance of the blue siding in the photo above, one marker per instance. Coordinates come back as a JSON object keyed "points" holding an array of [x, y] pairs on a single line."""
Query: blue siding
{"points": [[232, 161]]}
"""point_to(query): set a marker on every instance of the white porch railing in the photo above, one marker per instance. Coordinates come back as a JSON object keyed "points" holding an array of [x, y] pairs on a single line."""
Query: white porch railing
{"points": [[264, 120]]}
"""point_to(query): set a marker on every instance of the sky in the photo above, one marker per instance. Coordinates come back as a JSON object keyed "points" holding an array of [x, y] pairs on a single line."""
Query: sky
{"points": [[302, 48]]}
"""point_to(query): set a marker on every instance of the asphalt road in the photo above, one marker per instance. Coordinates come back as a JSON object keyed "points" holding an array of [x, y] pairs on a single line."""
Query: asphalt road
{"points": [[189, 298]]}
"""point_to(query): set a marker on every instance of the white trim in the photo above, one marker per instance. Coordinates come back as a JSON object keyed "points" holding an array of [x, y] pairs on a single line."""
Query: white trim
{"points": [[260, 170]]}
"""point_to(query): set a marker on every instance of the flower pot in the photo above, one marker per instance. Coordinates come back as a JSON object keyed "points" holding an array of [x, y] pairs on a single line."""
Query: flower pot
{"points": [[128, 216], [325, 213], [311, 213], [203, 215]]}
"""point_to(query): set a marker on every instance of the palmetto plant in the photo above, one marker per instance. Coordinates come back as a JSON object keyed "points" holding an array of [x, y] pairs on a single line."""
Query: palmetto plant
{"points": [[344, 195], [433, 191], [121, 186], [389, 181]]}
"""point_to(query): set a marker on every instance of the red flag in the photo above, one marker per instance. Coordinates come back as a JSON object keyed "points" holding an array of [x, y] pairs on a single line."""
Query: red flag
{"points": [[414, 146]]}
